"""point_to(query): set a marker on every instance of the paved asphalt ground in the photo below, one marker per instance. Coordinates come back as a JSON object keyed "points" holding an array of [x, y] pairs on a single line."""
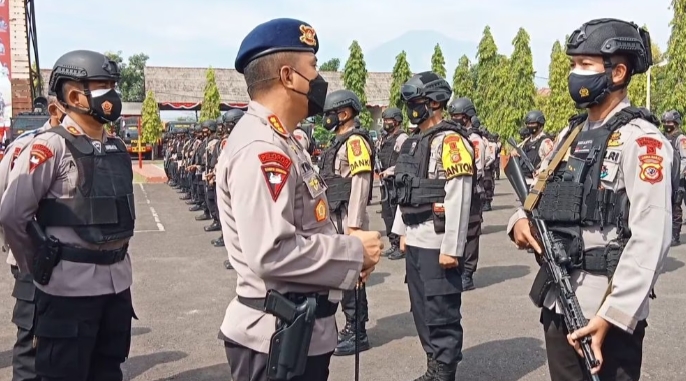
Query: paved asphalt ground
{"points": [[181, 291]]}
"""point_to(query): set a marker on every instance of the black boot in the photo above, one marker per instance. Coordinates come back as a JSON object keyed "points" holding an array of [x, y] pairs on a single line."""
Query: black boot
{"points": [[227, 265], [219, 242], [215, 226], [185, 197], [204, 216], [467, 282], [487, 206], [676, 241], [445, 372], [346, 332], [192, 201], [182, 190], [390, 251], [346, 347], [195, 208], [396, 255], [430, 369]]}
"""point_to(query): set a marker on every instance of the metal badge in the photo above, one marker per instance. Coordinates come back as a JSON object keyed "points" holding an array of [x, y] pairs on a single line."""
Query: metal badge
{"points": [[314, 183]]}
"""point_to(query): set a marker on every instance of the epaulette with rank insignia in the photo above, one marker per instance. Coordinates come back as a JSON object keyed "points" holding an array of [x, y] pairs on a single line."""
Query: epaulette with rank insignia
{"points": [[277, 126]]}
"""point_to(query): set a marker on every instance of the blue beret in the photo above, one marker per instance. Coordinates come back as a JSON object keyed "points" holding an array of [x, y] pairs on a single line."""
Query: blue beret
{"points": [[278, 35]]}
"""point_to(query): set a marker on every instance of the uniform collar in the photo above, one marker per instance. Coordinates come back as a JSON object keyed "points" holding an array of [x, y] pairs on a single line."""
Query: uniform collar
{"points": [[268, 118], [73, 128], [621, 106]]}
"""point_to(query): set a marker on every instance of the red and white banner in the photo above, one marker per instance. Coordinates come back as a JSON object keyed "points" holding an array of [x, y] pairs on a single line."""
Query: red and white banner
{"points": [[5, 64]]}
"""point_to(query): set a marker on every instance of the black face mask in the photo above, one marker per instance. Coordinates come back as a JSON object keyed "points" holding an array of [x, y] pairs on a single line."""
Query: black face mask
{"points": [[105, 105], [316, 95], [669, 128], [460, 120], [389, 127], [533, 130], [331, 122], [418, 112], [588, 88]]}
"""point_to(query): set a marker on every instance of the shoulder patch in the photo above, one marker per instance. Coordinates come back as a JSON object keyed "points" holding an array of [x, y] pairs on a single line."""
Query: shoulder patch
{"points": [[40, 153], [651, 162], [456, 159], [72, 130], [275, 158], [15, 155], [475, 144], [359, 157], [276, 167], [277, 126]]}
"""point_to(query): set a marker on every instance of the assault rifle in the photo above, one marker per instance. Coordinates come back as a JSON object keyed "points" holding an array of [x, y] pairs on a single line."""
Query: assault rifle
{"points": [[556, 262], [522, 155], [382, 184]]}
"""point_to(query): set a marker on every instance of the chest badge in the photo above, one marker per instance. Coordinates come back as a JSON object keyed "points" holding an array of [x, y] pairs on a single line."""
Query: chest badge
{"points": [[320, 211], [615, 140]]}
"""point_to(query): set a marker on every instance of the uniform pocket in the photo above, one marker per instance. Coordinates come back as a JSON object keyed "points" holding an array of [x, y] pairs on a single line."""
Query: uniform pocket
{"points": [[57, 348], [443, 299]]}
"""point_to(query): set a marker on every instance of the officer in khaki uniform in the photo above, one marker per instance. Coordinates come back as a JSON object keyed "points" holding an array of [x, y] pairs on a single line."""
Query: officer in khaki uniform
{"points": [[346, 167], [267, 189], [671, 121], [23, 353], [538, 145], [463, 112], [82, 271], [489, 170], [626, 163], [433, 216]]}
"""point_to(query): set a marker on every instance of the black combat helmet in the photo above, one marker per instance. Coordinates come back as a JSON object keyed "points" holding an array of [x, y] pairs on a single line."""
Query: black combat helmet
{"points": [[232, 117], [426, 85], [672, 116], [220, 121], [463, 106], [197, 128], [535, 116], [392, 113], [340, 99], [210, 125], [476, 122]]}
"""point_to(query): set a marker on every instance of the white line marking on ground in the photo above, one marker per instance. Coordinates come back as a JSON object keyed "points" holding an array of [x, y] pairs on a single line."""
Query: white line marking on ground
{"points": [[155, 216]]}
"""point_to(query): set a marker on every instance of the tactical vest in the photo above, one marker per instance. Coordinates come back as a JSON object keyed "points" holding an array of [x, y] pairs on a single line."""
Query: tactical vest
{"points": [[531, 149], [414, 192], [574, 196], [103, 208], [338, 191], [387, 153]]}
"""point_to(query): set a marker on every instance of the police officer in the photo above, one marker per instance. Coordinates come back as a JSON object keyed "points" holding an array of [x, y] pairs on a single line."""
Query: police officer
{"points": [[200, 166], [263, 175], [463, 112], [83, 300], [539, 144], [208, 174], [388, 151], [434, 213], [192, 168], [498, 148], [229, 120], [627, 164], [671, 121], [23, 353], [346, 167], [489, 170]]}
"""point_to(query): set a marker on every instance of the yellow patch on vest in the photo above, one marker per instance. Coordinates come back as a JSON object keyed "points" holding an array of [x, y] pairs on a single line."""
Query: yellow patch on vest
{"points": [[456, 159], [358, 155]]}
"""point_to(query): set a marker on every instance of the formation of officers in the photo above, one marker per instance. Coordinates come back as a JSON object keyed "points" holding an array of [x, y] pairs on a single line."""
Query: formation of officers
{"points": [[611, 182]]}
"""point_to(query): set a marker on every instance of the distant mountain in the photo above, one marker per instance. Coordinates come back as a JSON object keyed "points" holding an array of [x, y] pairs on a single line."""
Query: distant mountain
{"points": [[419, 46]]}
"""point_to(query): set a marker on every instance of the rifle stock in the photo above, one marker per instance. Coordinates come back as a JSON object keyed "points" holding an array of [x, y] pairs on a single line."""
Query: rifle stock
{"points": [[555, 263]]}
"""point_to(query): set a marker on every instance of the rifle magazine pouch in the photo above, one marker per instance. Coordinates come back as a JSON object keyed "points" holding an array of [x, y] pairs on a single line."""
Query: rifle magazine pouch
{"points": [[540, 287], [561, 202], [571, 239], [438, 214]]}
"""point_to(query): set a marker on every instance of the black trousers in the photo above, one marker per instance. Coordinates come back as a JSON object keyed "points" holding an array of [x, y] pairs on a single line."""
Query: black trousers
{"points": [[677, 211], [348, 305], [82, 338], [23, 316], [211, 202], [489, 183], [435, 301], [249, 365], [388, 210], [622, 352], [471, 249]]}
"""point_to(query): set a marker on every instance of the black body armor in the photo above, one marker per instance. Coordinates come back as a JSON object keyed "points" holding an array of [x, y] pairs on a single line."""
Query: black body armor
{"points": [[531, 149], [415, 193], [387, 154], [338, 191], [103, 208], [574, 196]]}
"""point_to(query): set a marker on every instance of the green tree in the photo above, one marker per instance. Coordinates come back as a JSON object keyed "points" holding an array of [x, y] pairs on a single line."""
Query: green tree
{"points": [[211, 99], [151, 124], [521, 90], [322, 135], [331, 65], [638, 86], [401, 74], [355, 80], [540, 102], [438, 62], [463, 80], [502, 119], [487, 92], [559, 107], [132, 82], [676, 56]]}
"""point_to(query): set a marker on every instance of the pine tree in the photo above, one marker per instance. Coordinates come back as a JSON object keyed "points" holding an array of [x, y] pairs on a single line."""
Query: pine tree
{"points": [[522, 90], [330, 65], [401, 74], [463, 80], [151, 124], [355, 80], [505, 118], [487, 92], [559, 107], [211, 99], [438, 62], [674, 79]]}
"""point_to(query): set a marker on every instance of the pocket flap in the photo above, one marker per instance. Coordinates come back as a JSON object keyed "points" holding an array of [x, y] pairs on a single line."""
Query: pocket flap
{"points": [[445, 286], [56, 329]]}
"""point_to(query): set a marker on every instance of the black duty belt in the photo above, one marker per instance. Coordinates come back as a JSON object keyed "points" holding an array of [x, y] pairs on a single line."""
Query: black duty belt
{"points": [[325, 308], [96, 257]]}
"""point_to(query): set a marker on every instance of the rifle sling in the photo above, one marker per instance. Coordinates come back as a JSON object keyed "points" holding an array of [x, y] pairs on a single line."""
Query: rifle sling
{"points": [[542, 178]]}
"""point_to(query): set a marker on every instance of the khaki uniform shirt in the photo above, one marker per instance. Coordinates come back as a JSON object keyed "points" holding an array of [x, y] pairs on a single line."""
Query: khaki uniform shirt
{"points": [[491, 152], [353, 160], [46, 169], [275, 221], [627, 166], [479, 144], [681, 146], [452, 153]]}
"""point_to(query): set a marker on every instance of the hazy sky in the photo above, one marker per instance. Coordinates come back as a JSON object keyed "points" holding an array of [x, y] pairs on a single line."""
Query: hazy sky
{"points": [[208, 32]]}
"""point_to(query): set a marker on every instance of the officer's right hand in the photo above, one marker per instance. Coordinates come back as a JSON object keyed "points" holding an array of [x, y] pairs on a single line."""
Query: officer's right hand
{"points": [[523, 236], [371, 242]]}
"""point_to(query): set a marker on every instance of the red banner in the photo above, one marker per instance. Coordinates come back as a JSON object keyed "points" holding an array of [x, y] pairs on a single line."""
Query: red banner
{"points": [[5, 65]]}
